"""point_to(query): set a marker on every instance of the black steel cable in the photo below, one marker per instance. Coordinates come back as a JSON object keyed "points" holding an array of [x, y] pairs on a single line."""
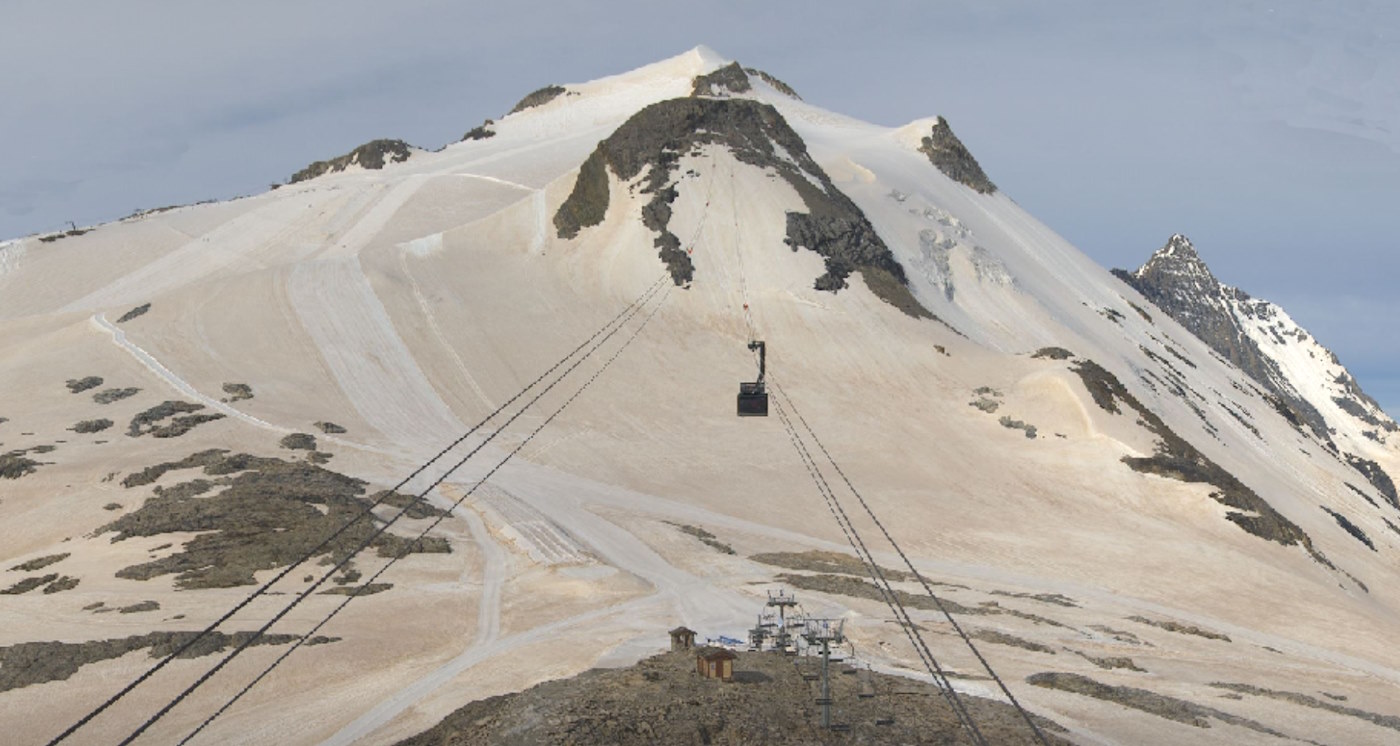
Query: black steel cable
{"points": [[333, 536], [425, 531], [937, 601], [408, 506], [882, 584]]}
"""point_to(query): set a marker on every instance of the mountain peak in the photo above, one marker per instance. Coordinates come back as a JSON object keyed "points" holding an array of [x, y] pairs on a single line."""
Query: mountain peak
{"points": [[1179, 245], [1306, 381], [707, 57], [948, 153], [1178, 264]]}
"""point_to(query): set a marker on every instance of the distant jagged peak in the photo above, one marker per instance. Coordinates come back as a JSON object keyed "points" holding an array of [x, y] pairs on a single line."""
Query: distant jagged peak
{"points": [[372, 156], [949, 155], [1179, 246], [1306, 382], [1177, 257]]}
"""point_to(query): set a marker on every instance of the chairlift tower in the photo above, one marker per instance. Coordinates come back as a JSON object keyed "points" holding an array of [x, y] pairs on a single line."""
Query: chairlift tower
{"points": [[782, 601], [824, 632]]}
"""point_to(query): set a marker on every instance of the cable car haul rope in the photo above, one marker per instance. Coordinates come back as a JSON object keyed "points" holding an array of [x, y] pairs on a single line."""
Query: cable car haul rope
{"points": [[660, 287], [752, 401]]}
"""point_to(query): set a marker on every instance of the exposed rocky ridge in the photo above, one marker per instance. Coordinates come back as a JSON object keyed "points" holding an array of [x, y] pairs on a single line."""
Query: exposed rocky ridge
{"points": [[1160, 705], [947, 152], [777, 85], [1230, 321], [1175, 458], [535, 98], [481, 132], [728, 79], [662, 700], [133, 313], [373, 155], [652, 141]]}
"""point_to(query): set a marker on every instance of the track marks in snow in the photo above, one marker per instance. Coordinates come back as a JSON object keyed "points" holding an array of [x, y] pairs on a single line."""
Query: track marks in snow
{"points": [[546, 542], [437, 330], [371, 364], [174, 381], [257, 238]]}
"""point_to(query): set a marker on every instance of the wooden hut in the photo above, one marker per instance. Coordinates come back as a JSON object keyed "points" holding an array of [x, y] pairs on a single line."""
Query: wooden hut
{"points": [[715, 663], [682, 638]]}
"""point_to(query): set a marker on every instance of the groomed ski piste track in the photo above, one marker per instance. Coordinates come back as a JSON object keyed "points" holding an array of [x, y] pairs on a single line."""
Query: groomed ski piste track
{"points": [[413, 301]]}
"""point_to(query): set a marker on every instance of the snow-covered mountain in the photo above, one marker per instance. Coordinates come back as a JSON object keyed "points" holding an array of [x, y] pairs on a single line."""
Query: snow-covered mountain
{"points": [[1311, 386], [1162, 509]]}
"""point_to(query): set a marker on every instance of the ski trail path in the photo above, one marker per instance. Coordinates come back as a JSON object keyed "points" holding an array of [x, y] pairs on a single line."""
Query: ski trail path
{"points": [[699, 602], [431, 318], [371, 364]]}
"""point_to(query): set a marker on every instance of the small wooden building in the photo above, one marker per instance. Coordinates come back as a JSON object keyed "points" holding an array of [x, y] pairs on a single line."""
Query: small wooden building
{"points": [[715, 663], [682, 638]]}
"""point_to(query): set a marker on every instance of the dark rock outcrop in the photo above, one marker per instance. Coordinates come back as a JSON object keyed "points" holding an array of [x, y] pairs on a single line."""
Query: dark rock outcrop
{"points": [[1349, 527], [40, 563], [107, 396], [947, 152], [726, 80], [299, 442], [269, 513], [27, 663], [79, 385], [14, 465], [1171, 708], [537, 98], [91, 426], [651, 143], [481, 132], [373, 155], [237, 392], [153, 421], [779, 85], [1175, 458], [1376, 476], [133, 313]]}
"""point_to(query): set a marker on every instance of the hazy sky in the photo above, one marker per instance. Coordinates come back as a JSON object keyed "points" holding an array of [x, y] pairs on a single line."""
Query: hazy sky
{"points": [[1268, 132]]}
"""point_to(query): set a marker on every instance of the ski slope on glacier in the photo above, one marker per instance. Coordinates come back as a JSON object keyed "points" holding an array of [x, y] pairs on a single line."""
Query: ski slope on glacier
{"points": [[407, 303]]}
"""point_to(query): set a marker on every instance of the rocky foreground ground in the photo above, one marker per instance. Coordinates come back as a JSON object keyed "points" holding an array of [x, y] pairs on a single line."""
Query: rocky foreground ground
{"points": [[772, 700]]}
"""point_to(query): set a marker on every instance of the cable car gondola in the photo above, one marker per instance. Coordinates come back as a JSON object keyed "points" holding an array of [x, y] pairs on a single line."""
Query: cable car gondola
{"points": [[753, 395]]}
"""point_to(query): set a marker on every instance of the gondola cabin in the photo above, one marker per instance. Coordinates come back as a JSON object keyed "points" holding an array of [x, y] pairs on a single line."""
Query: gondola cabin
{"points": [[753, 395], [753, 400]]}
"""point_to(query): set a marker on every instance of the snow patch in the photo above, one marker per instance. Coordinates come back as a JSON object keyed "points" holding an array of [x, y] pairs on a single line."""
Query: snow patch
{"points": [[11, 252], [424, 246]]}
